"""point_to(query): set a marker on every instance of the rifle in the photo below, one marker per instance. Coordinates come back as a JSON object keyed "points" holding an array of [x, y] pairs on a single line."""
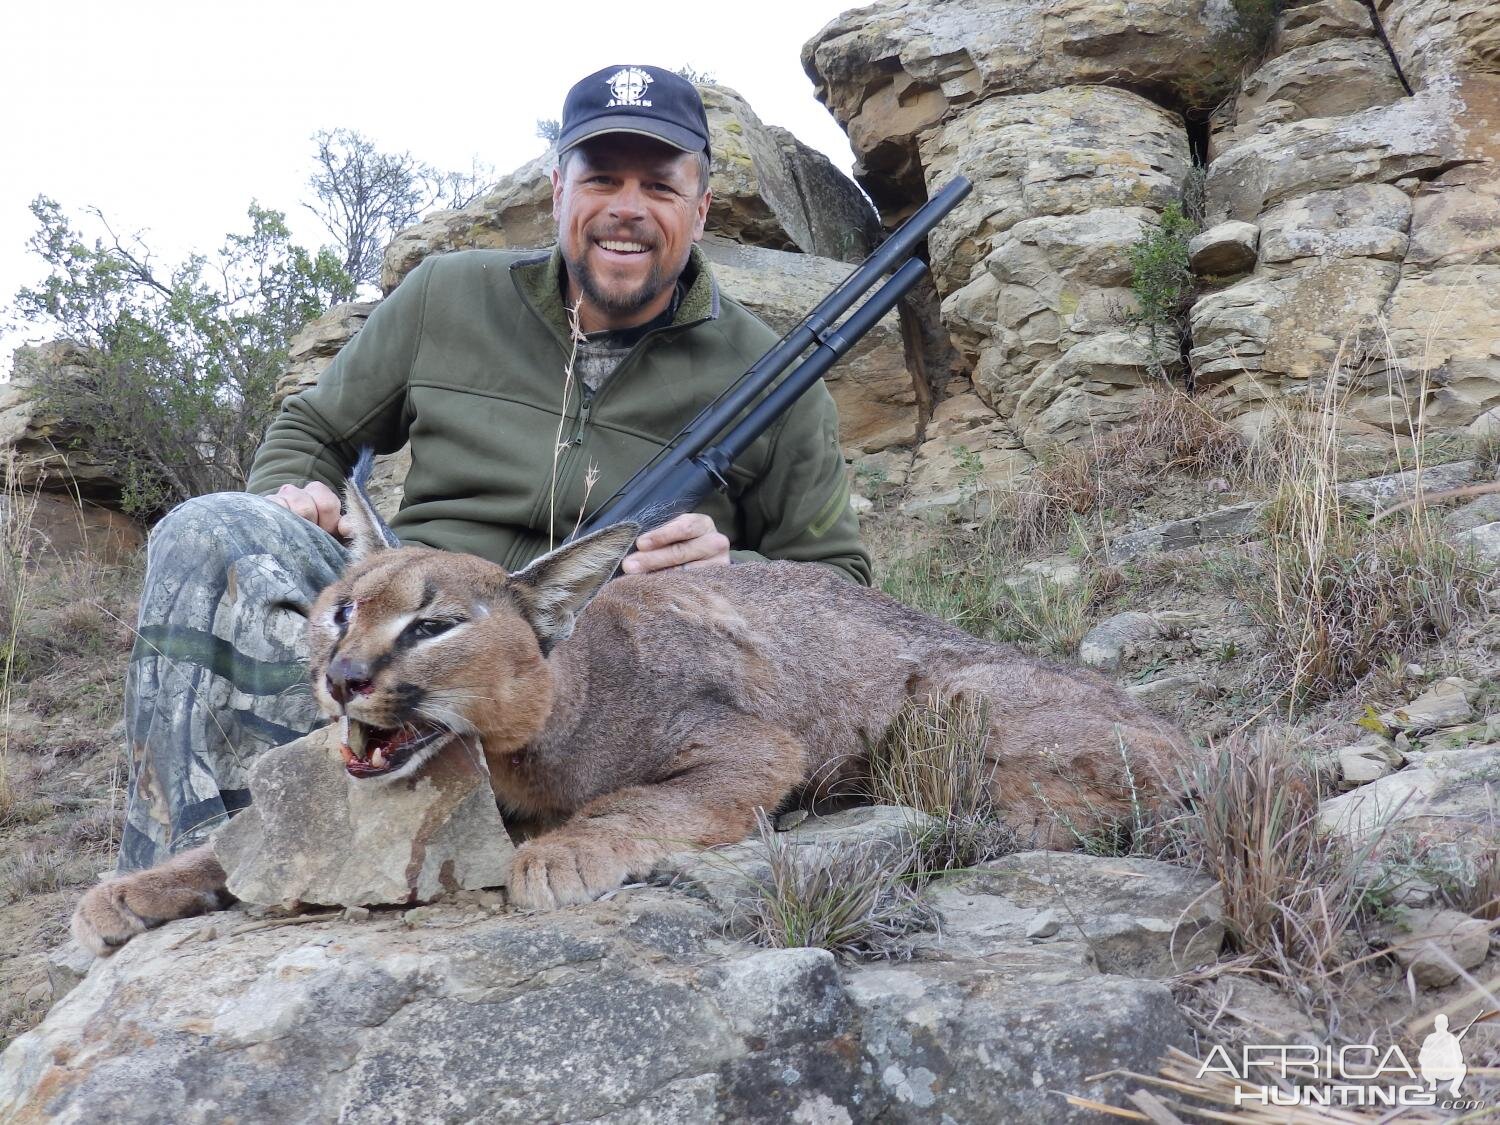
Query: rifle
{"points": [[698, 458]]}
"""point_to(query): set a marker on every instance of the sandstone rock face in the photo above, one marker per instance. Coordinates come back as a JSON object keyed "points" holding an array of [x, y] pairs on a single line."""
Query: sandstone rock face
{"points": [[1324, 139], [636, 1009], [313, 834], [43, 442], [891, 72]]}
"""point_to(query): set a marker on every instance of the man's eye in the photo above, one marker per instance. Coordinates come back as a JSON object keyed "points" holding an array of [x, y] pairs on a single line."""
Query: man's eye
{"points": [[430, 627]]}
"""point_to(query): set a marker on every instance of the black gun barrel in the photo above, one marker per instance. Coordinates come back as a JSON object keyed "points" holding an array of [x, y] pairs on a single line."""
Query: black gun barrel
{"points": [[683, 473]]}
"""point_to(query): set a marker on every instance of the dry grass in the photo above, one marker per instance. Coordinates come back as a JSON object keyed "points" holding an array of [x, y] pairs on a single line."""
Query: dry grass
{"points": [[855, 900], [16, 545], [1333, 592], [1290, 892], [32, 871], [1174, 432], [933, 759]]}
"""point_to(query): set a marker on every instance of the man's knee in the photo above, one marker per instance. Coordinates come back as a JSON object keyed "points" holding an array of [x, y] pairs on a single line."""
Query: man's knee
{"points": [[224, 522]]}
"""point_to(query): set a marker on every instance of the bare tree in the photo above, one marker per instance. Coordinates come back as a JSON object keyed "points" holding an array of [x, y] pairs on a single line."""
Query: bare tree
{"points": [[363, 196]]}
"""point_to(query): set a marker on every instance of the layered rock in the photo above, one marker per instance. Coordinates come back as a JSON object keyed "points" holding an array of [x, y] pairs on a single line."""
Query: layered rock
{"points": [[1374, 188], [50, 454], [892, 72]]}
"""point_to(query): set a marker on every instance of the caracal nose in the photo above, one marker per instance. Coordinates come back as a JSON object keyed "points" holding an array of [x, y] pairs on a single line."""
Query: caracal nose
{"points": [[348, 678]]}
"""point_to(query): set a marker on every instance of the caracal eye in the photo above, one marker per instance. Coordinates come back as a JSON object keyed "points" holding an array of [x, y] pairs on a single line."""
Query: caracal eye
{"points": [[430, 627], [342, 612]]}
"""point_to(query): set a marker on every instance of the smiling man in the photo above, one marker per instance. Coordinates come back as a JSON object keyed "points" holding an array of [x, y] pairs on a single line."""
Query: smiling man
{"points": [[519, 426]]}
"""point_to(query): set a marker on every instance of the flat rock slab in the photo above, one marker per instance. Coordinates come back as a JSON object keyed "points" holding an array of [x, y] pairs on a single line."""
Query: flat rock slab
{"points": [[1446, 796], [313, 834], [1138, 917]]}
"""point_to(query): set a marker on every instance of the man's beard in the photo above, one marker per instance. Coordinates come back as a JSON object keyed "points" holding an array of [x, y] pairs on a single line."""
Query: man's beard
{"points": [[618, 304]]}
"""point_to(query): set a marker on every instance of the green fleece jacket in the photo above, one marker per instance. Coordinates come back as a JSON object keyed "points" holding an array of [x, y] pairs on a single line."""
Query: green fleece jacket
{"points": [[466, 359]]}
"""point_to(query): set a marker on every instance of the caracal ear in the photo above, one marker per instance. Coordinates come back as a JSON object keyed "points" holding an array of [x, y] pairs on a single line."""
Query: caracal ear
{"points": [[370, 533], [553, 590]]}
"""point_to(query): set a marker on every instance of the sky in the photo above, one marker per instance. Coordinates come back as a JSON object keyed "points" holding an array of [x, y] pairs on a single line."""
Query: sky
{"points": [[171, 117]]}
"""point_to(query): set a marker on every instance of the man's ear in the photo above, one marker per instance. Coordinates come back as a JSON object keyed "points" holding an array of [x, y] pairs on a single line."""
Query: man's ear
{"points": [[557, 189], [369, 532], [553, 590], [708, 197]]}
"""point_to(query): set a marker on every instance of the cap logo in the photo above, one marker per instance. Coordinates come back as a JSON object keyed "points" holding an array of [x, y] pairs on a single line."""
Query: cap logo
{"points": [[629, 87]]}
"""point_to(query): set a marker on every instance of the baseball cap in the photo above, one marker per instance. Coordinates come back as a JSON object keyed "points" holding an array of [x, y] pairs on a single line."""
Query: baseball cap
{"points": [[635, 99]]}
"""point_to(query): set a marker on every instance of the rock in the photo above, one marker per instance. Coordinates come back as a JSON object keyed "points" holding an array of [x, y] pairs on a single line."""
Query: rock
{"points": [[1234, 522], [1060, 571], [1319, 21], [1487, 425], [1065, 152], [313, 834], [1138, 917], [1044, 925], [1442, 795], [1228, 248], [1108, 643], [312, 349], [1437, 944], [1378, 493], [67, 965], [51, 451], [1280, 162], [1447, 703], [64, 528], [894, 72], [1366, 762], [1167, 690], [1484, 539], [479, 1016], [871, 386], [1476, 514], [960, 1043], [958, 472]]}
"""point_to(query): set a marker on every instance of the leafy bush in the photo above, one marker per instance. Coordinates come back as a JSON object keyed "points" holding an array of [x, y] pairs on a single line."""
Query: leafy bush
{"points": [[1162, 283], [178, 368]]}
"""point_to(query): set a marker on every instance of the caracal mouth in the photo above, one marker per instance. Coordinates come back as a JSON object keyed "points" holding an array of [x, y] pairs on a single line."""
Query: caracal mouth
{"points": [[382, 752]]}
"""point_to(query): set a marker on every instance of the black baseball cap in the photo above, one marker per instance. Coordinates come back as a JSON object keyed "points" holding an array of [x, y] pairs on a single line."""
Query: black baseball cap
{"points": [[646, 100]]}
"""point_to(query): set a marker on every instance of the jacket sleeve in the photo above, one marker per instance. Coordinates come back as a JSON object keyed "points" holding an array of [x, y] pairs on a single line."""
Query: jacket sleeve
{"points": [[359, 400], [798, 509]]}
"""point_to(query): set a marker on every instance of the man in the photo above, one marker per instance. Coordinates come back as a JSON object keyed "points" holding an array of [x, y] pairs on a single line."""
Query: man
{"points": [[530, 386]]}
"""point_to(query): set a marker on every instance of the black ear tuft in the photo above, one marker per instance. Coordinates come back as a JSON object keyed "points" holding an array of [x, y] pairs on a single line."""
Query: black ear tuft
{"points": [[553, 590], [371, 533]]}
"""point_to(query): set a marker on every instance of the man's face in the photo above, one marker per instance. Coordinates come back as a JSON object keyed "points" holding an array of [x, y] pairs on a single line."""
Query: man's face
{"points": [[628, 211]]}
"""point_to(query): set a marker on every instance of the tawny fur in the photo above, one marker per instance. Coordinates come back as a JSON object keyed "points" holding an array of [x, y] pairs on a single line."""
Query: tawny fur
{"points": [[683, 701]]}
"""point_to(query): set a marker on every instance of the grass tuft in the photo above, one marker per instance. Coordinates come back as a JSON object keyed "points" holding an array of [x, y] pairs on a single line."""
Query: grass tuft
{"points": [[854, 900]]}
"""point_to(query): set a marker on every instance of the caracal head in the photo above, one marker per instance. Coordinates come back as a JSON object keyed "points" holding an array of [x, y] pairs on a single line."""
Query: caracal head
{"points": [[413, 648]]}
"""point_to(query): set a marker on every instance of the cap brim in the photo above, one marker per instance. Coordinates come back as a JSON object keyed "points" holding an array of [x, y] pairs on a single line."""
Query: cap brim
{"points": [[673, 135]]}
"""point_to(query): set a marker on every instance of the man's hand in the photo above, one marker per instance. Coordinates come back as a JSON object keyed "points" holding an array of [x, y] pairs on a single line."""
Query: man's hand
{"points": [[316, 503], [689, 541]]}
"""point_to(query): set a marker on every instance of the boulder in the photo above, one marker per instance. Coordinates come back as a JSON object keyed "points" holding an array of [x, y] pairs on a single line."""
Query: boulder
{"points": [[892, 71], [1446, 703], [1228, 248], [1484, 540], [1134, 917], [1442, 796], [1108, 643], [313, 834]]}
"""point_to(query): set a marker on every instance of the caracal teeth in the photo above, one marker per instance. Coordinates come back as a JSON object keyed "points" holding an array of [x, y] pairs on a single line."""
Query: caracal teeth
{"points": [[377, 759]]}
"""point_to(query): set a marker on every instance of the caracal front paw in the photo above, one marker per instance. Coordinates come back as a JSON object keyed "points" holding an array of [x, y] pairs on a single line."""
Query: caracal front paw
{"points": [[118, 909], [552, 872]]}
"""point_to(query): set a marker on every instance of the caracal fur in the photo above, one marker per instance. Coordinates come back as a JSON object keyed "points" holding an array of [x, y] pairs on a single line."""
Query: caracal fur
{"points": [[668, 713]]}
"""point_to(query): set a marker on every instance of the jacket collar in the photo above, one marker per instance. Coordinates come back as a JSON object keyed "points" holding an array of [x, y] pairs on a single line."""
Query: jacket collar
{"points": [[539, 279]]}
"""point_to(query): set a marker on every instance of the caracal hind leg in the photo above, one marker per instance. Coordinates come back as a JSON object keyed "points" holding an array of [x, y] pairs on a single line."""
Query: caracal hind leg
{"points": [[116, 910], [708, 796], [1073, 756]]}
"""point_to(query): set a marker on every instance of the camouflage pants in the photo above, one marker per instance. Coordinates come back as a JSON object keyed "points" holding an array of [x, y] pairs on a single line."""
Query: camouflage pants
{"points": [[219, 669]]}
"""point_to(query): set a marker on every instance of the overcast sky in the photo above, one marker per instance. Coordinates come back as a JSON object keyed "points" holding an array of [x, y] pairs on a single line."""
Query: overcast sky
{"points": [[170, 117]]}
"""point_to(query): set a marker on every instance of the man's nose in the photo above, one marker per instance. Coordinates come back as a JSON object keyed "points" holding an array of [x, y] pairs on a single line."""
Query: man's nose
{"points": [[629, 203]]}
